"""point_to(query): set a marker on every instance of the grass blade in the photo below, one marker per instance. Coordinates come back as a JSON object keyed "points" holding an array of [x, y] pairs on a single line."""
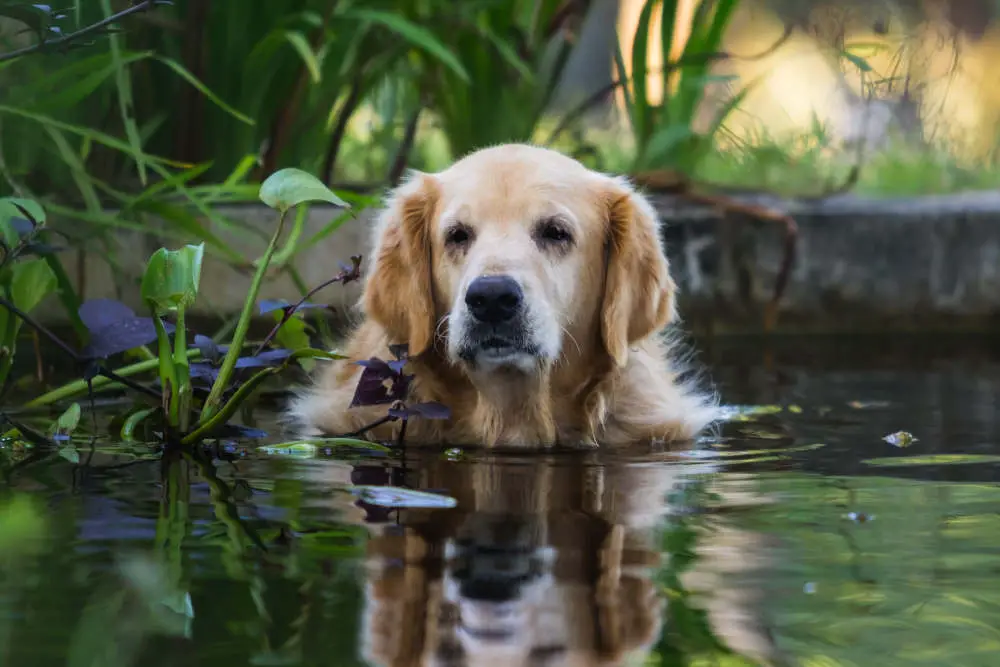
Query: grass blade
{"points": [[415, 35], [126, 105]]}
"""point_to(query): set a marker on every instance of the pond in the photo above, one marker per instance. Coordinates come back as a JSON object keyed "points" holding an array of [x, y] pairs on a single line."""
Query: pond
{"points": [[796, 535]]}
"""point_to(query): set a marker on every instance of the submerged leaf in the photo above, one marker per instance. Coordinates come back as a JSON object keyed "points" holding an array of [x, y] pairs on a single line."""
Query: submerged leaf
{"points": [[287, 188], [394, 496]]}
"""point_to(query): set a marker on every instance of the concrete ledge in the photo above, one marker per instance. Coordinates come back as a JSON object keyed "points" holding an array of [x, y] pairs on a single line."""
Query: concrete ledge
{"points": [[913, 264]]}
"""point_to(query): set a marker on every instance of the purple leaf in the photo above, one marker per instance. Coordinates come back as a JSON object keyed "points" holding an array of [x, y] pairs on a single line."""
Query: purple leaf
{"points": [[21, 226], [209, 349], [375, 388], [377, 366], [121, 336], [202, 370], [100, 313], [268, 305], [397, 365], [268, 358]]}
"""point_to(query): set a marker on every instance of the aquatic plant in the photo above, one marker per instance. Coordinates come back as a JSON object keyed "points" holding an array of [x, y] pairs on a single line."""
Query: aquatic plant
{"points": [[200, 386]]}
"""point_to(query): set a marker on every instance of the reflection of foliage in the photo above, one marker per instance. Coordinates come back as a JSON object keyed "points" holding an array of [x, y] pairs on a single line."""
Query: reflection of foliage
{"points": [[687, 637], [204, 566], [912, 583]]}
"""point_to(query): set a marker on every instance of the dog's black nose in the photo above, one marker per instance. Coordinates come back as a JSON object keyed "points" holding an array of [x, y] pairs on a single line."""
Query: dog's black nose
{"points": [[494, 299]]}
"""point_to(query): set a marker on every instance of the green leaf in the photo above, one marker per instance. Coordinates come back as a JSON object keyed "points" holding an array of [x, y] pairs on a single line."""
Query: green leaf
{"points": [[126, 103], [204, 90], [10, 208], [172, 277], [665, 144], [287, 188], [67, 421], [416, 35], [31, 281], [301, 46]]}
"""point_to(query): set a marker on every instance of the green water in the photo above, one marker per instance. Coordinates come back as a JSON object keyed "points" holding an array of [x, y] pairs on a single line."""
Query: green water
{"points": [[794, 536]]}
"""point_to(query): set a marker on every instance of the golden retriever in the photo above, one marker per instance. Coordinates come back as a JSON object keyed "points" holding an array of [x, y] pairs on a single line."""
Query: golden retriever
{"points": [[531, 292]]}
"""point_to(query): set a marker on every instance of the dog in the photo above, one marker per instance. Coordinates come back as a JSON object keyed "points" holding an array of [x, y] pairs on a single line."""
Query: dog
{"points": [[532, 293]]}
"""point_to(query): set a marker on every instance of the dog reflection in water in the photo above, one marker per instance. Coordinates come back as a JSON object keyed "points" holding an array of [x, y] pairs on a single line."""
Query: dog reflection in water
{"points": [[540, 563]]}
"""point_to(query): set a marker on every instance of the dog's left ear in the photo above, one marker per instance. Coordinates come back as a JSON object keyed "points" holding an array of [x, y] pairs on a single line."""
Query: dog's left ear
{"points": [[399, 293], [638, 289]]}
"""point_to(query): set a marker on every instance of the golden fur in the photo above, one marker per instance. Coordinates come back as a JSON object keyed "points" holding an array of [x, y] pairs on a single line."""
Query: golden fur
{"points": [[598, 305]]}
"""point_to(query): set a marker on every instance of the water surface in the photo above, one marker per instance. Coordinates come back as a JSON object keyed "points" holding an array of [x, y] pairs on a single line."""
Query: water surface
{"points": [[794, 536]]}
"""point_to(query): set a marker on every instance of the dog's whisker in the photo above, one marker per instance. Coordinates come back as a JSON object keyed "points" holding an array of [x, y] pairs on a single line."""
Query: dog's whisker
{"points": [[439, 333], [579, 350]]}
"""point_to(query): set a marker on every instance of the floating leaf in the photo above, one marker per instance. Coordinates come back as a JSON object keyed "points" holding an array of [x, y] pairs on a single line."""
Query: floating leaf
{"points": [[900, 439], [863, 405], [287, 188], [394, 496], [172, 277], [932, 460], [297, 449]]}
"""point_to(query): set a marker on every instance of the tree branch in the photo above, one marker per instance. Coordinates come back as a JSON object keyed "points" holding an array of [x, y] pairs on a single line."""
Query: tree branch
{"points": [[47, 44]]}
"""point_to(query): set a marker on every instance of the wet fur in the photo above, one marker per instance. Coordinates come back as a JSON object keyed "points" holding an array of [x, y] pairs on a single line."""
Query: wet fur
{"points": [[617, 380]]}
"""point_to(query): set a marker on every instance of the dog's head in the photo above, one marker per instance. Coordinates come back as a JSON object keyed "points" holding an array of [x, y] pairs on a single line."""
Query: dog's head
{"points": [[515, 256]]}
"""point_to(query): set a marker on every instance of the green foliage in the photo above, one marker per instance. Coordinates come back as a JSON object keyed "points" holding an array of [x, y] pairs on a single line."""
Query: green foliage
{"points": [[515, 53], [665, 133], [287, 188], [170, 282]]}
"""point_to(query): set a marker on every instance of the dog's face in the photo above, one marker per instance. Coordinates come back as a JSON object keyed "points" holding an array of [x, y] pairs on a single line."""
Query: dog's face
{"points": [[515, 256]]}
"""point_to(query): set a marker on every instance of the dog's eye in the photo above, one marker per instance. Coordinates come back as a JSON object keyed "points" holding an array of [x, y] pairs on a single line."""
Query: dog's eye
{"points": [[458, 235], [553, 231]]}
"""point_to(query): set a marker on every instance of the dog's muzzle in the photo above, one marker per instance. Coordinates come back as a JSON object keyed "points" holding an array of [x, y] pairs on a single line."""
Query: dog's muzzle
{"points": [[496, 330]]}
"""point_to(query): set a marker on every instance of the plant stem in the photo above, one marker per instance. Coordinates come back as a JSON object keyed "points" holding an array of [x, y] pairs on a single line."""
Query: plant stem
{"points": [[168, 375], [182, 372], [83, 32], [77, 387], [236, 345], [343, 277]]}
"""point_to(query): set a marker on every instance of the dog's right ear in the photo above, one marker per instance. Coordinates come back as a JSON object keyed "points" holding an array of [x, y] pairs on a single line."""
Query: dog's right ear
{"points": [[399, 291]]}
